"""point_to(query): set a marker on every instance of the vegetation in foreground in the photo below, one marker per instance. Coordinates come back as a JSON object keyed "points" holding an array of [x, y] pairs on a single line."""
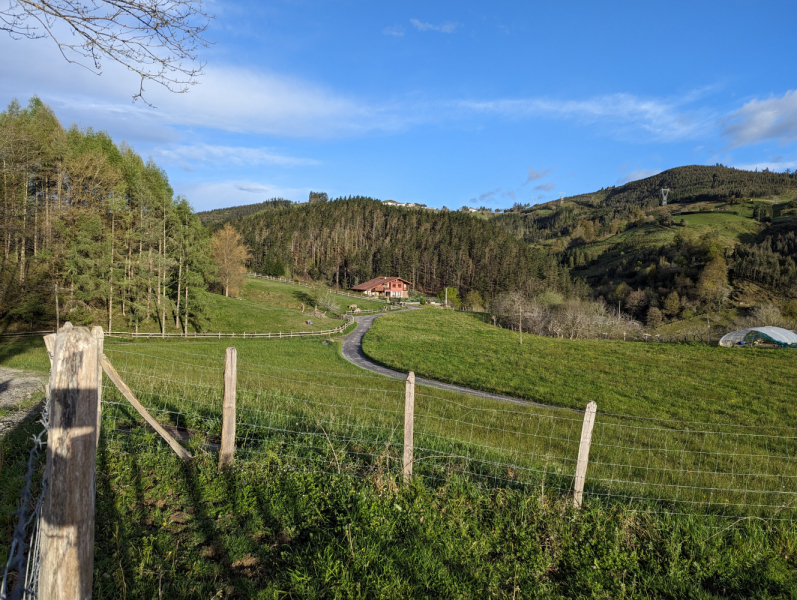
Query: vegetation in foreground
{"points": [[315, 515], [268, 529], [689, 382]]}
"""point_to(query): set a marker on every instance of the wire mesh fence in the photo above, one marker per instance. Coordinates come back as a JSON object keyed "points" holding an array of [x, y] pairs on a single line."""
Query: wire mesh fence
{"points": [[21, 572], [333, 420]]}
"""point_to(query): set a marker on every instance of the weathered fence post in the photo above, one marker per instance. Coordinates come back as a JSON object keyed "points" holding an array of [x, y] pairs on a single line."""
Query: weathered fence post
{"points": [[409, 420], [583, 453], [67, 522], [98, 335], [227, 452], [49, 343]]}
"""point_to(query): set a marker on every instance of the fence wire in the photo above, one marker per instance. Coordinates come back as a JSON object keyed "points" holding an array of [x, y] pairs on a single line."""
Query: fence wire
{"points": [[334, 420], [24, 553]]}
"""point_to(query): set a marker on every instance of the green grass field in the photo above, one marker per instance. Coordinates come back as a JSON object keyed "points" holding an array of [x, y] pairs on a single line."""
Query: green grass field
{"points": [[315, 506], [671, 381]]}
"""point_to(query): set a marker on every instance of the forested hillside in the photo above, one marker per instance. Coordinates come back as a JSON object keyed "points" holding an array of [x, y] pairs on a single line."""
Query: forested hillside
{"points": [[351, 240], [217, 217], [720, 227], [93, 220]]}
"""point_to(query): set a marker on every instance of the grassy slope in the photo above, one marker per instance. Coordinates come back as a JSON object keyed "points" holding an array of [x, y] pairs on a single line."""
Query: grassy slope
{"points": [[269, 529], [690, 382]]}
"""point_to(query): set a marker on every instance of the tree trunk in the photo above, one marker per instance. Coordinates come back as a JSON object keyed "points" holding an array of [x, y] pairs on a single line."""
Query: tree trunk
{"points": [[179, 281], [185, 318], [110, 273]]}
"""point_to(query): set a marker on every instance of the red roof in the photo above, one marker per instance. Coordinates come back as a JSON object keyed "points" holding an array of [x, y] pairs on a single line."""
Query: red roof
{"points": [[369, 285]]}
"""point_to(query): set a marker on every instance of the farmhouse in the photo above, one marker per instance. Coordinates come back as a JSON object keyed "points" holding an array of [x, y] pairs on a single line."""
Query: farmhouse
{"points": [[389, 287]]}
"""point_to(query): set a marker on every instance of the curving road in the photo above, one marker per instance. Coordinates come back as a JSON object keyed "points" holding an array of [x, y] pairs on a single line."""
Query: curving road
{"points": [[353, 352]]}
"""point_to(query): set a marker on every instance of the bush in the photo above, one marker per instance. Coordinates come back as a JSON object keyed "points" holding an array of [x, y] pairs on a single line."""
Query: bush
{"points": [[790, 310], [654, 317], [328, 302]]}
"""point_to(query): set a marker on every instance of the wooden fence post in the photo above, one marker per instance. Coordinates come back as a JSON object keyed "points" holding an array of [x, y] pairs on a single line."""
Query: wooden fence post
{"points": [[49, 343], [409, 421], [583, 453], [67, 521], [98, 335], [227, 452]]}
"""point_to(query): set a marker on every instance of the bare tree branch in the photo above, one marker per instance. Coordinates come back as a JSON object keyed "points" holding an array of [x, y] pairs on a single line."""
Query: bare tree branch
{"points": [[156, 39]]}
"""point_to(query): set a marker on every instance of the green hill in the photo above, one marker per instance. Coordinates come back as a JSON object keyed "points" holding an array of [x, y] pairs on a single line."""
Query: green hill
{"points": [[621, 239]]}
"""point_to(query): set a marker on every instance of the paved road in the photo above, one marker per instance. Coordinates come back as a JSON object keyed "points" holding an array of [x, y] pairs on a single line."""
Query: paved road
{"points": [[353, 352]]}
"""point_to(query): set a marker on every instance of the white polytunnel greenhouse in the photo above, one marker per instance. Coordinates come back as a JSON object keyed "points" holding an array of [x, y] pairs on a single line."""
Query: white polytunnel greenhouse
{"points": [[753, 336]]}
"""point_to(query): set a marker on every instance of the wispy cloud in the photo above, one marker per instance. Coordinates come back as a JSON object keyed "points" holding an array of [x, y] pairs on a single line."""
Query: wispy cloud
{"points": [[665, 120], [545, 187], [759, 120], [535, 174], [486, 197], [447, 27], [237, 155], [395, 30], [252, 189], [229, 98]]}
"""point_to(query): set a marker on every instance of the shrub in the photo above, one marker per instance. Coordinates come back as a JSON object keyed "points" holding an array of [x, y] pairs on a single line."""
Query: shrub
{"points": [[654, 317], [328, 302]]}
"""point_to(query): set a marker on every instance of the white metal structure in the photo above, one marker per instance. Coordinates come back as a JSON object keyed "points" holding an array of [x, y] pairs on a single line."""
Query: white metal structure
{"points": [[664, 193], [751, 335]]}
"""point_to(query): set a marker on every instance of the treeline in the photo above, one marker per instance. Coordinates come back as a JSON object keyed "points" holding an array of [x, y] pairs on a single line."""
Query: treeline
{"points": [[771, 260], [93, 223], [348, 241], [214, 219], [587, 217]]}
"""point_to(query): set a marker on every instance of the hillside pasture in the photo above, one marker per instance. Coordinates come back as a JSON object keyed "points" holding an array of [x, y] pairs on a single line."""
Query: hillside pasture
{"points": [[691, 382]]}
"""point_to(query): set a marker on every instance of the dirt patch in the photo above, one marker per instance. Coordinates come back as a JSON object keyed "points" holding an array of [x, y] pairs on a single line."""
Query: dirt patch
{"points": [[17, 389]]}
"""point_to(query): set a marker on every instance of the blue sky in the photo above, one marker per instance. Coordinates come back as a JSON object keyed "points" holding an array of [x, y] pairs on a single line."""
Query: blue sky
{"points": [[447, 103]]}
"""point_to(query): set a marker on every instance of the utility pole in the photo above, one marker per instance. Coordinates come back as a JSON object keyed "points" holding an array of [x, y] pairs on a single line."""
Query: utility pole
{"points": [[446, 302]]}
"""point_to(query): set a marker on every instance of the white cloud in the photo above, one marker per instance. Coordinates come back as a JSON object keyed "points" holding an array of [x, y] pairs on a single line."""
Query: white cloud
{"points": [[664, 120], [447, 27], [228, 98], [545, 187], [535, 174], [396, 30], [759, 120], [185, 155], [637, 174]]}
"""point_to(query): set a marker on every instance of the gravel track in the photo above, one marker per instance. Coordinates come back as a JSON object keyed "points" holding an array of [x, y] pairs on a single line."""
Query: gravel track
{"points": [[16, 388]]}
